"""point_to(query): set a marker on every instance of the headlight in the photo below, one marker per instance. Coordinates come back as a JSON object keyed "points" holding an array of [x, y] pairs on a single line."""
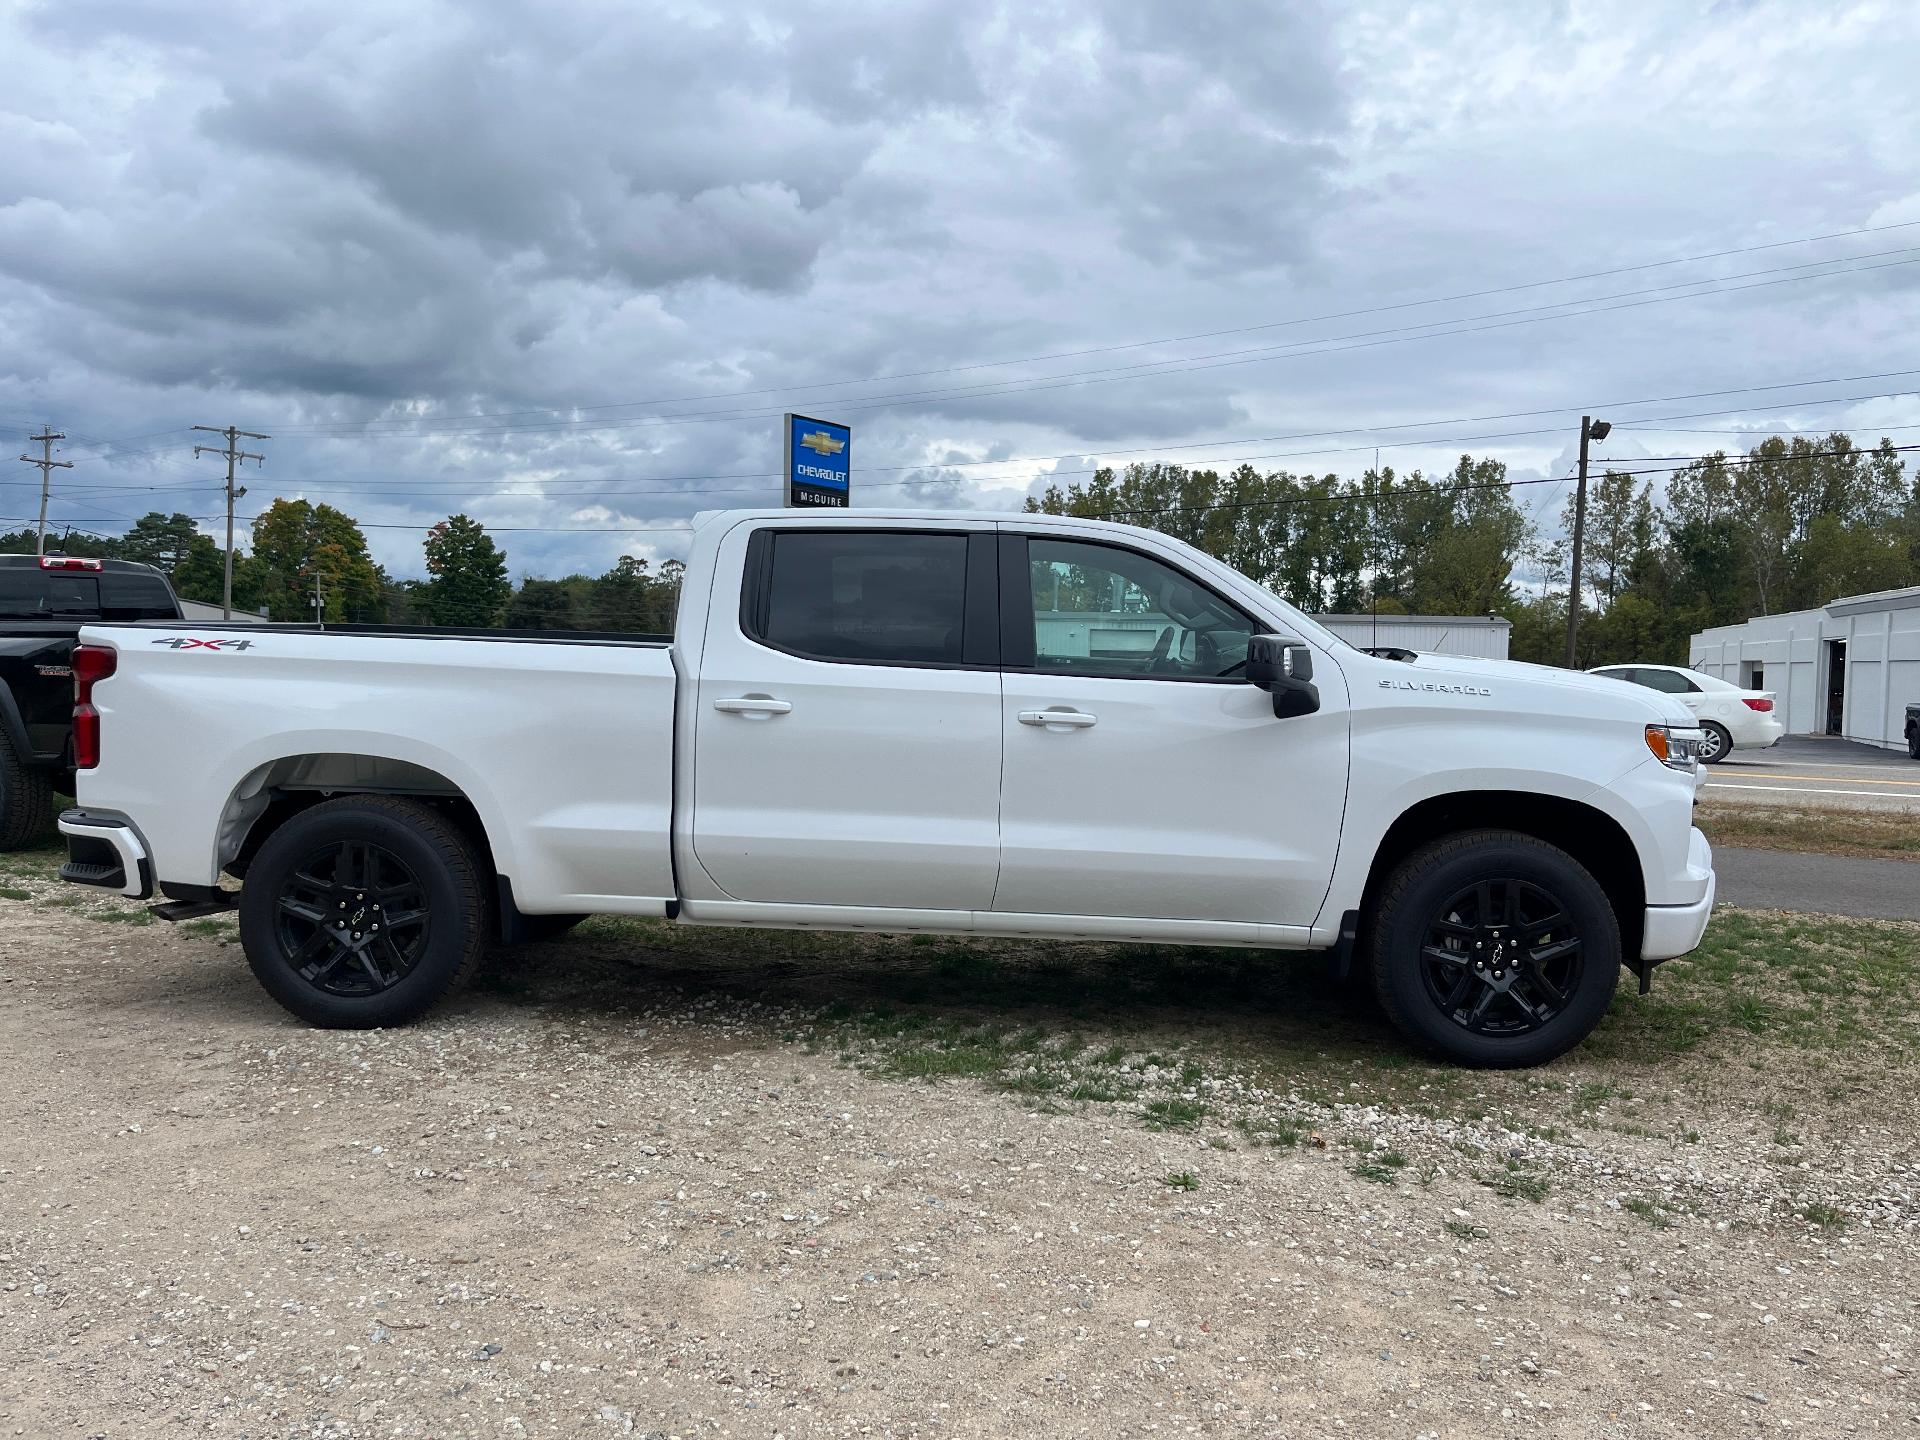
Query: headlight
{"points": [[1674, 746]]}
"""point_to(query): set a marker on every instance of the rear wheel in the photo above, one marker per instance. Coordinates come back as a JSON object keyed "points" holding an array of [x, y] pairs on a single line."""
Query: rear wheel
{"points": [[363, 912], [1494, 949], [1715, 743], [26, 799], [1913, 742]]}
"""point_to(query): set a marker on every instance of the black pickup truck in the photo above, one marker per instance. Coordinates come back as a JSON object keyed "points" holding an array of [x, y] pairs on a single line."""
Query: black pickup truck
{"points": [[44, 600]]}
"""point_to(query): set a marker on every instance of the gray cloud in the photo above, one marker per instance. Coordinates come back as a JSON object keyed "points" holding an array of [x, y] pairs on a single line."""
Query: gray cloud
{"points": [[311, 215]]}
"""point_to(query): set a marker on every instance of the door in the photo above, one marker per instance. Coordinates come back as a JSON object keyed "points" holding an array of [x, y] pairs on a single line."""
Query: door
{"points": [[847, 730], [1143, 777]]}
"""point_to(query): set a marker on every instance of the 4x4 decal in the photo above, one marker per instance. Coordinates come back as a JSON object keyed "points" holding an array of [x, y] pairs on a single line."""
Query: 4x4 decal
{"points": [[188, 642]]}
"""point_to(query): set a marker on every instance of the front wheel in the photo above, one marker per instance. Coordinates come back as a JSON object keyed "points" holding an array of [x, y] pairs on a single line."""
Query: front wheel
{"points": [[364, 911], [1495, 949], [1715, 743]]}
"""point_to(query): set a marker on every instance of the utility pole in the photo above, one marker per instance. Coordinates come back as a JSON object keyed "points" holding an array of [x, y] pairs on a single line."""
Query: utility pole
{"points": [[1590, 429], [235, 456], [319, 602], [47, 465]]}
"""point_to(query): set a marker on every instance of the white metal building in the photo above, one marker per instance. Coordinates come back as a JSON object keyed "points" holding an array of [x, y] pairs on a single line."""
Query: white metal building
{"points": [[1850, 668], [1074, 632], [1484, 637], [207, 614]]}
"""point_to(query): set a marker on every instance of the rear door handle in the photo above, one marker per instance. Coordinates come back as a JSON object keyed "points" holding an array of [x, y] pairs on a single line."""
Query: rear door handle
{"points": [[755, 706], [1060, 717]]}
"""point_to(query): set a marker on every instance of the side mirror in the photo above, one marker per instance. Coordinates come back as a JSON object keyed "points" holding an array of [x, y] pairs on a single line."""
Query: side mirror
{"points": [[1283, 666]]}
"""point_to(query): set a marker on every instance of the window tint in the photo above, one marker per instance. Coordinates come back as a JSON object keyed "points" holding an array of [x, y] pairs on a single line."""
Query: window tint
{"points": [[876, 598], [47, 594], [1100, 610], [1670, 681], [130, 595]]}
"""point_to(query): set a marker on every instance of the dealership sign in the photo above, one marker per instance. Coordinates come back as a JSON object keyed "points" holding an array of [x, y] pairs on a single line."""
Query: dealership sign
{"points": [[819, 461]]}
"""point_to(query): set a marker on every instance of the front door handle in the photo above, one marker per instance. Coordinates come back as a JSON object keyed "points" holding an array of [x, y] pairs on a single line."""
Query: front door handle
{"points": [[1059, 717], [756, 707]]}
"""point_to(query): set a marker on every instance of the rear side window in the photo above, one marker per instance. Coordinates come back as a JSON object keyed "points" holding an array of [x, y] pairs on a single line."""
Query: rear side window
{"points": [[879, 598], [38, 594], [133, 596], [1670, 681]]}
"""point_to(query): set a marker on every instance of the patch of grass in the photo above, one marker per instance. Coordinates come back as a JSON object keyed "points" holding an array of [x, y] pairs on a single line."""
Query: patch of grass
{"points": [[1648, 1212], [933, 1062], [1100, 1090], [122, 917], [1173, 1114], [1811, 983], [1181, 1180], [1827, 832], [1827, 1217], [1269, 1130], [1463, 1230], [1592, 1095], [1374, 1172], [1515, 1182], [9, 892]]}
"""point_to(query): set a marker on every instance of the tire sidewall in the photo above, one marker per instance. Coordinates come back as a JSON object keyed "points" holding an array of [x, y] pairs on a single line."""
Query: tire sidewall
{"points": [[450, 927], [1441, 873], [1713, 727]]}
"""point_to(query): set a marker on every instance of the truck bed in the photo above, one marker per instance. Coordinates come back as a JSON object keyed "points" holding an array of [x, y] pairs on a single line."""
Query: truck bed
{"points": [[562, 743]]}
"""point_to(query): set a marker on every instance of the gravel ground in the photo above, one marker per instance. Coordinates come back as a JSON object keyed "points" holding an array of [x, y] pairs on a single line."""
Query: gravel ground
{"points": [[627, 1186]]}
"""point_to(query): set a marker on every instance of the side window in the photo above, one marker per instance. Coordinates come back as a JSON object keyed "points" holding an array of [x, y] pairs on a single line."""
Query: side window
{"points": [[869, 598], [133, 596], [1101, 610], [1666, 680]]}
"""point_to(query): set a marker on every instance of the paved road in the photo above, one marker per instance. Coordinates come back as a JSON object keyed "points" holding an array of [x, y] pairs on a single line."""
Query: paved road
{"points": [[1822, 884], [1810, 771]]}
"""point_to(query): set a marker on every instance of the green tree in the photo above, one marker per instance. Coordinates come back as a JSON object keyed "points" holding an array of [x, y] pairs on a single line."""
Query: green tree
{"points": [[296, 543], [160, 540], [468, 584]]}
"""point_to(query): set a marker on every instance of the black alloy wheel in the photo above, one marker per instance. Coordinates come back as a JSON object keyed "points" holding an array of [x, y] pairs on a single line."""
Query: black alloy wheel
{"points": [[352, 919], [366, 910], [1493, 948], [1502, 957]]}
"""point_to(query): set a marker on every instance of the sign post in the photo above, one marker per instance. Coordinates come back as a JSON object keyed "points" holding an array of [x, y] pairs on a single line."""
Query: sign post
{"points": [[819, 461]]}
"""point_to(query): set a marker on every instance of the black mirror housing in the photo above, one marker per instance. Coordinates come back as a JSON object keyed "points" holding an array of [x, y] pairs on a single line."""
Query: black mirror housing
{"points": [[1283, 666]]}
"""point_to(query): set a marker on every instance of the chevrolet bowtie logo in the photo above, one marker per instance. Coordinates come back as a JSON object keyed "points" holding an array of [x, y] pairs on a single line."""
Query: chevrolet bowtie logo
{"points": [[822, 444]]}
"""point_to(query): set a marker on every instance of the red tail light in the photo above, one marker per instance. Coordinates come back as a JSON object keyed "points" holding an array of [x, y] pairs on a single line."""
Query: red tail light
{"points": [[69, 562], [91, 663], [1763, 705]]}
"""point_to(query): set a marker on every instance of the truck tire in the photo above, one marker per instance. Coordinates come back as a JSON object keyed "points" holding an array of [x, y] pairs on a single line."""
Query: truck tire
{"points": [[26, 799], [1913, 742], [1494, 949], [364, 911], [1715, 742]]}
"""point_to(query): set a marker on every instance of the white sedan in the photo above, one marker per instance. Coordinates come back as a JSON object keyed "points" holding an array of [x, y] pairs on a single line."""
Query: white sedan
{"points": [[1731, 718]]}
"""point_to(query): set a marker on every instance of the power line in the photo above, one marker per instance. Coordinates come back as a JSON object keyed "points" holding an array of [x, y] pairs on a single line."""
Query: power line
{"points": [[1360, 340], [413, 488], [234, 456], [1183, 339], [47, 465]]}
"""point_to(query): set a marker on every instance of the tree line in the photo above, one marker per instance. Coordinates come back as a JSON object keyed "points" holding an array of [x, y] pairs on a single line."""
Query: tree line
{"points": [[301, 552], [1789, 524]]}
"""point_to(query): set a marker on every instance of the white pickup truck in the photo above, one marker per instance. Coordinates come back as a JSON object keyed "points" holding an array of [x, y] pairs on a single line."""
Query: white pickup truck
{"points": [[904, 721]]}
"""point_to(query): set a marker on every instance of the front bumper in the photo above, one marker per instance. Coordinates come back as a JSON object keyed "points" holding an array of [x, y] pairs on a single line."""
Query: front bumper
{"points": [[104, 849], [1667, 931]]}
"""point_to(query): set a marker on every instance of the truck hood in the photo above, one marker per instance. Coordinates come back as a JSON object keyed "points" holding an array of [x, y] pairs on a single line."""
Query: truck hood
{"points": [[1573, 688]]}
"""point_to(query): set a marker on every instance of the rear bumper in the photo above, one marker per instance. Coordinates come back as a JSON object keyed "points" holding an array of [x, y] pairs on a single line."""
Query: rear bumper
{"points": [[105, 850], [1670, 930], [1760, 736]]}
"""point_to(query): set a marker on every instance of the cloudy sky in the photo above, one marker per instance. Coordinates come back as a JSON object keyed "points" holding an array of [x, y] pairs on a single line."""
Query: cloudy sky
{"points": [[561, 265]]}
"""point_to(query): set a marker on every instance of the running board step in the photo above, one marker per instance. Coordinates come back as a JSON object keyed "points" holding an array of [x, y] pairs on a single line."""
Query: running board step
{"points": [[176, 910]]}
